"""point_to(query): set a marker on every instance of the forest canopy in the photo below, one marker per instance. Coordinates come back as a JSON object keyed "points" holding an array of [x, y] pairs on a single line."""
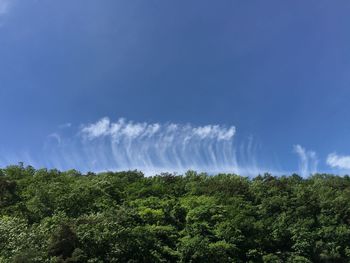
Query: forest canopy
{"points": [[54, 216]]}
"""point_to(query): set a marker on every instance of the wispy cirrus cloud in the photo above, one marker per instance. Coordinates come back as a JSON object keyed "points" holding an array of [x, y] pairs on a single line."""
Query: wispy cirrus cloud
{"points": [[151, 148], [123, 129], [155, 146], [98, 129], [338, 161], [308, 160]]}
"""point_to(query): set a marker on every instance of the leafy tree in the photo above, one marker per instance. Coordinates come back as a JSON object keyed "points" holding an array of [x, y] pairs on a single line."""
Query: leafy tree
{"points": [[63, 242], [54, 216]]}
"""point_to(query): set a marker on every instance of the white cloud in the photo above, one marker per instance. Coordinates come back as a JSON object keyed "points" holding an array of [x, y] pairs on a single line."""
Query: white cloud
{"points": [[228, 134], [122, 129], [133, 130], [149, 147], [307, 160], [214, 131], [124, 144], [98, 129], [338, 161], [151, 129]]}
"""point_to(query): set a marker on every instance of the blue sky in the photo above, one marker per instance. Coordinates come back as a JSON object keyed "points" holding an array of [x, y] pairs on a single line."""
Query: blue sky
{"points": [[276, 71]]}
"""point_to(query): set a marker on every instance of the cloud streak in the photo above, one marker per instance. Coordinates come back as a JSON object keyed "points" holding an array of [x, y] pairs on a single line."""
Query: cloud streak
{"points": [[338, 161], [123, 129], [149, 147], [155, 146], [308, 161]]}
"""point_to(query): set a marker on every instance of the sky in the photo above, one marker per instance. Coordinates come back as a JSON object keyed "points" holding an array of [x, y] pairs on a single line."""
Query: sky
{"points": [[219, 86]]}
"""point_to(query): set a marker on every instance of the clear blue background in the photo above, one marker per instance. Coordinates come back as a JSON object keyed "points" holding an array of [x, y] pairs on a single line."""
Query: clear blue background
{"points": [[277, 70]]}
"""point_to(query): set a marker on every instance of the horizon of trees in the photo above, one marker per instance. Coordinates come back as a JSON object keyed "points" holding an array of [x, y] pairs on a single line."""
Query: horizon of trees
{"points": [[54, 216]]}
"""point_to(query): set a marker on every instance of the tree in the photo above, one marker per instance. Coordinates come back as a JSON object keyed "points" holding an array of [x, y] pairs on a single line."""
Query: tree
{"points": [[63, 242]]}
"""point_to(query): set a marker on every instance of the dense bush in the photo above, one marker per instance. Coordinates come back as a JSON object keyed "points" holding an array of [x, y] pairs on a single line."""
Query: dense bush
{"points": [[53, 216]]}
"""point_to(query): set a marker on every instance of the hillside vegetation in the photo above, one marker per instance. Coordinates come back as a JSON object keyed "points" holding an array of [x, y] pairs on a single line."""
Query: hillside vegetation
{"points": [[53, 216]]}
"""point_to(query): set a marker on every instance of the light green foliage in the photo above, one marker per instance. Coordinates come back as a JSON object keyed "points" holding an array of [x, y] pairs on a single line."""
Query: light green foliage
{"points": [[53, 216]]}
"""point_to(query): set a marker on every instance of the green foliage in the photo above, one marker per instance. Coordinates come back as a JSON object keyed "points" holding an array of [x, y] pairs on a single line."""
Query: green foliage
{"points": [[63, 242], [53, 216]]}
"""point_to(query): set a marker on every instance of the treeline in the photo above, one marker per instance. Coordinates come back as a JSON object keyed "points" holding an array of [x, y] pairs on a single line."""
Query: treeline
{"points": [[53, 216]]}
